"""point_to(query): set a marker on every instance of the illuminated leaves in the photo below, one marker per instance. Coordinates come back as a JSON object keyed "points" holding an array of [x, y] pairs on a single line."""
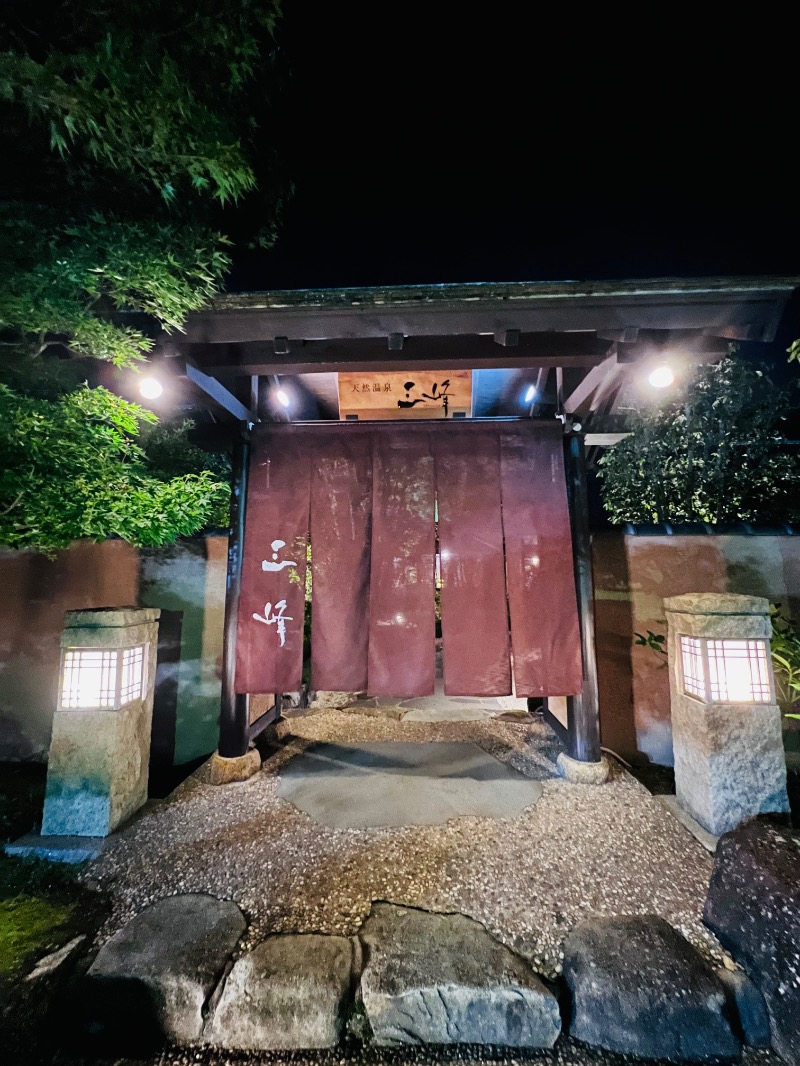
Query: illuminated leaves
{"points": [[73, 469], [713, 454]]}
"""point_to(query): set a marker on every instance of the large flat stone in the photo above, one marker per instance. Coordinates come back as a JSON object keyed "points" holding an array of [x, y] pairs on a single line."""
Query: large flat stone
{"points": [[639, 988], [291, 991], [753, 906], [403, 784], [442, 979], [150, 981]]}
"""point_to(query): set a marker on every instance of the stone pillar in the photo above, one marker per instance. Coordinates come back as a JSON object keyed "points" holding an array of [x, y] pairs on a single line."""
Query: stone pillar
{"points": [[729, 761], [100, 749]]}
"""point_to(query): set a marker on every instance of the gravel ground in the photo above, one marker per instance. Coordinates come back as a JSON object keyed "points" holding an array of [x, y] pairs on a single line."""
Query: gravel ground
{"points": [[567, 1052], [582, 850]]}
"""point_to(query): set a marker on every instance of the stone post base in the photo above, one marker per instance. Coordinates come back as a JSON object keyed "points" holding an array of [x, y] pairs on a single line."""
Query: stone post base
{"points": [[583, 773], [224, 771]]}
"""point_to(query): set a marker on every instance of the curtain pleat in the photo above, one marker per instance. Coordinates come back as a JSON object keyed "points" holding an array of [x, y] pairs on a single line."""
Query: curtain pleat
{"points": [[545, 637], [401, 611], [473, 594], [341, 512], [269, 648]]}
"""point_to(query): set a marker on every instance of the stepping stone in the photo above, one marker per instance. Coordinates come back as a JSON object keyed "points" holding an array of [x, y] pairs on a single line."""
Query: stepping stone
{"points": [[449, 713], [291, 991], [150, 981], [442, 979], [753, 906], [639, 988], [397, 783]]}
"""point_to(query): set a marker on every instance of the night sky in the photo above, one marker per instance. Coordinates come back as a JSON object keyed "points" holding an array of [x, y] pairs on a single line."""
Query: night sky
{"points": [[432, 147]]}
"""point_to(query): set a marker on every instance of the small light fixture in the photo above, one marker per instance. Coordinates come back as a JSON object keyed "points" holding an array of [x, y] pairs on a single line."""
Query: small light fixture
{"points": [[726, 671], [529, 395], [661, 377], [150, 388], [102, 679], [282, 397]]}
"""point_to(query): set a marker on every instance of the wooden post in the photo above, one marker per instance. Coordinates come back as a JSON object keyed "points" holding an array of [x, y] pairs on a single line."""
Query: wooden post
{"points": [[234, 710], [583, 710]]}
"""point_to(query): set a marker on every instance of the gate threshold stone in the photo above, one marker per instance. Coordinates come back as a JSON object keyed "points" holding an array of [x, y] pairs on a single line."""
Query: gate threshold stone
{"points": [[398, 783], [442, 979], [292, 991], [151, 980], [639, 988]]}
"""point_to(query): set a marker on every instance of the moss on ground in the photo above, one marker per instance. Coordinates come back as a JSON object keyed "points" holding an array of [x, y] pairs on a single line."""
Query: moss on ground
{"points": [[27, 926]]}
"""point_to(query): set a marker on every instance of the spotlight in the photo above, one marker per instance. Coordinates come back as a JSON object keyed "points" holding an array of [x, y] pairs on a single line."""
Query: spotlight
{"points": [[150, 388], [529, 395], [283, 398], [662, 377]]}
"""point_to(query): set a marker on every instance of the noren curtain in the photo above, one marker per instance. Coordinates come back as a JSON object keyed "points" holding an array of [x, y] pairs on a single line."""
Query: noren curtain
{"points": [[374, 498]]}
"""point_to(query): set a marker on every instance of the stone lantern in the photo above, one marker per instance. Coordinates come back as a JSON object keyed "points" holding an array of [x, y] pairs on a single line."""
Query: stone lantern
{"points": [[726, 725], [99, 753]]}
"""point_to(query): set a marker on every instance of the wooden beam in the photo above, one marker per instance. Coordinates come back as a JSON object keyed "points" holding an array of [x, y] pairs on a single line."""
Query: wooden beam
{"points": [[220, 396], [418, 353], [590, 392]]}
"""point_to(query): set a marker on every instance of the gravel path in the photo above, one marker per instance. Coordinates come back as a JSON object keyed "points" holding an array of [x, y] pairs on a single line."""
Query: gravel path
{"points": [[580, 851]]}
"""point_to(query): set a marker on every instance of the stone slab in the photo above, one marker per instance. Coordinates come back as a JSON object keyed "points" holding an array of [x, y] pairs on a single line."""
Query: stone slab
{"points": [[454, 713], [69, 849], [753, 906], [639, 988], [442, 979], [724, 603], [394, 784], [151, 980], [701, 835], [292, 991], [110, 617]]}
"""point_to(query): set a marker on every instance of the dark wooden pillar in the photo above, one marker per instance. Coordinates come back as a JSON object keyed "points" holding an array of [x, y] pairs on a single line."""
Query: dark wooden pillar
{"points": [[234, 715], [583, 710]]}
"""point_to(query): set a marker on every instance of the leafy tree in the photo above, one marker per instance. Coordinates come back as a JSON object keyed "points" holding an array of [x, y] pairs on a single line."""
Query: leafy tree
{"points": [[72, 469], [713, 454], [134, 130], [131, 122]]}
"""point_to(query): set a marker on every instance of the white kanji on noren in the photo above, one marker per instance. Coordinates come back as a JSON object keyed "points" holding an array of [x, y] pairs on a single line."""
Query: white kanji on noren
{"points": [[275, 618]]}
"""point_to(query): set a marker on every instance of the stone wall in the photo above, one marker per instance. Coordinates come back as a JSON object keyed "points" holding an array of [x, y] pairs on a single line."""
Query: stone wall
{"points": [[633, 574]]}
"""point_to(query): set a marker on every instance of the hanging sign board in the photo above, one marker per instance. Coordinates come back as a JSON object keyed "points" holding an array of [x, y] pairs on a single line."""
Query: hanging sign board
{"points": [[406, 394]]}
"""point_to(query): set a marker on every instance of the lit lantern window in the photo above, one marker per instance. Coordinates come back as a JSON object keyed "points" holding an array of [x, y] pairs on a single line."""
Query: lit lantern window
{"points": [[101, 678], [726, 671]]}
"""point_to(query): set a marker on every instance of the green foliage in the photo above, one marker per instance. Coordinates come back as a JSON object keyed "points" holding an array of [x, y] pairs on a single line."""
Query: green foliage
{"points": [[129, 123], [794, 351], [67, 283], [713, 454], [785, 646], [148, 91], [71, 469], [655, 642]]}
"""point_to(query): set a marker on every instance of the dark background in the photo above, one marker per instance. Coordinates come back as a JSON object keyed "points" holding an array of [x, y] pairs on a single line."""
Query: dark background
{"points": [[437, 143]]}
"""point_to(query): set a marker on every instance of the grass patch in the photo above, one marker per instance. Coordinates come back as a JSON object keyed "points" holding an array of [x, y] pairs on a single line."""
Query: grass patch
{"points": [[28, 925]]}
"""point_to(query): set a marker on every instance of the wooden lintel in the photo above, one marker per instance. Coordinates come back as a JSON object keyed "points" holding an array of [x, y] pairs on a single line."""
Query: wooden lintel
{"points": [[424, 353]]}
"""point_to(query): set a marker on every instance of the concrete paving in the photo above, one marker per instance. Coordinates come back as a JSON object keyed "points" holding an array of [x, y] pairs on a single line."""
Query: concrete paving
{"points": [[403, 784]]}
